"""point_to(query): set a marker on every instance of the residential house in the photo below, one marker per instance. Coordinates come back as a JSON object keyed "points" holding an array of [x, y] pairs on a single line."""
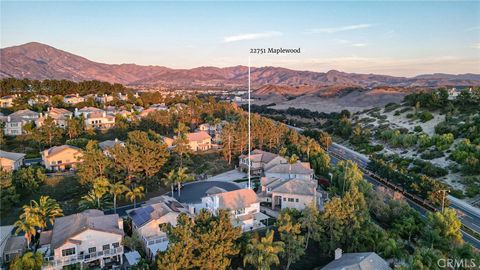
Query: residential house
{"points": [[90, 238], [15, 122], [99, 120], [146, 221], [10, 161], [60, 158], [14, 246], [73, 99], [354, 261], [7, 101], [59, 116], [86, 111], [103, 98], [10, 246], [299, 170], [38, 99], [199, 141], [259, 161], [96, 118], [289, 193], [242, 204], [168, 141], [153, 108], [106, 145]]}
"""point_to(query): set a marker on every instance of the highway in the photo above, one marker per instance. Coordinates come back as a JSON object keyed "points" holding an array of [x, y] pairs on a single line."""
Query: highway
{"points": [[468, 215]]}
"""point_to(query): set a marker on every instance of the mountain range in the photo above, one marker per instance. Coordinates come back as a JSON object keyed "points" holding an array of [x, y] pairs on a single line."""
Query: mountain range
{"points": [[39, 61]]}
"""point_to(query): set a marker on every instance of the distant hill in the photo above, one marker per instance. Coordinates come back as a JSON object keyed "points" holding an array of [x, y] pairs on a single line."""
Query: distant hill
{"points": [[39, 61]]}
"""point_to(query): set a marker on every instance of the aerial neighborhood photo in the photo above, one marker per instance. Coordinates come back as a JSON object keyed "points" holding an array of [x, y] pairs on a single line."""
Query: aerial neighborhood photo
{"points": [[229, 135]]}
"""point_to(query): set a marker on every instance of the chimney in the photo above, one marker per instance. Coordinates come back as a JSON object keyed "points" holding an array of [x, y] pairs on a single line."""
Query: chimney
{"points": [[338, 253]]}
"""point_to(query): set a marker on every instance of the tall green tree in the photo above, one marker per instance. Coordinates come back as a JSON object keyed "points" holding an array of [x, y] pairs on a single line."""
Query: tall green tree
{"points": [[182, 147], [95, 164], [320, 163], [142, 157], [310, 222], [264, 252], [49, 134], [290, 234], [208, 242]]}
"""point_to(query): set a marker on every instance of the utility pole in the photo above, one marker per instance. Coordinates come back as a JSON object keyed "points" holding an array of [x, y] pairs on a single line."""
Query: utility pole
{"points": [[444, 191]]}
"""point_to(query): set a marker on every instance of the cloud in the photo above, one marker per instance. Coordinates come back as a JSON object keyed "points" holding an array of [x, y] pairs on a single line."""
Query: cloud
{"points": [[332, 30], [252, 36], [476, 46]]}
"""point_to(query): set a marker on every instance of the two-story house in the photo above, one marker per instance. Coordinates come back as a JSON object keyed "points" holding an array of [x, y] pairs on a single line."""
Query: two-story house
{"points": [[259, 161], [242, 204], [7, 101], [15, 122], [146, 221], [59, 116], [60, 158], [90, 238], [10, 161], [199, 141], [73, 99], [99, 120], [300, 170], [289, 193]]}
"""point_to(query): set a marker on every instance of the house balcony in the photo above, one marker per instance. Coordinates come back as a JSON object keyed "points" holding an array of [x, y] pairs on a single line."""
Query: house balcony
{"points": [[154, 240], [52, 262]]}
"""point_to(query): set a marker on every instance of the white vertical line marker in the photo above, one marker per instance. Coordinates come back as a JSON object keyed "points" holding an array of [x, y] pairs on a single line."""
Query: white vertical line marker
{"points": [[249, 125]]}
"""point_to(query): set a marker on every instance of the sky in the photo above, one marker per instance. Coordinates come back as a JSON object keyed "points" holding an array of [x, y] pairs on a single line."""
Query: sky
{"points": [[394, 38]]}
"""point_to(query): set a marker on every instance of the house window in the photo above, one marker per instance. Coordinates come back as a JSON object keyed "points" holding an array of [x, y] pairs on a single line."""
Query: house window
{"points": [[290, 199], [116, 245], [240, 211], [284, 199], [296, 200], [92, 250], [68, 252], [106, 247]]}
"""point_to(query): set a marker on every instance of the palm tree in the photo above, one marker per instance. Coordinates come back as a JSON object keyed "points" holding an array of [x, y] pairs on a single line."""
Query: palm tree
{"points": [[262, 254], [182, 147], [117, 189], [182, 177], [45, 211], [170, 179], [28, 225], [134, 193], [101, 186]]}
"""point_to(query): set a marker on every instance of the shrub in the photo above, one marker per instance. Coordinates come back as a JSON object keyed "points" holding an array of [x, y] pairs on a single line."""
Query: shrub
{"points": [[418, 129], [425, 116]]}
